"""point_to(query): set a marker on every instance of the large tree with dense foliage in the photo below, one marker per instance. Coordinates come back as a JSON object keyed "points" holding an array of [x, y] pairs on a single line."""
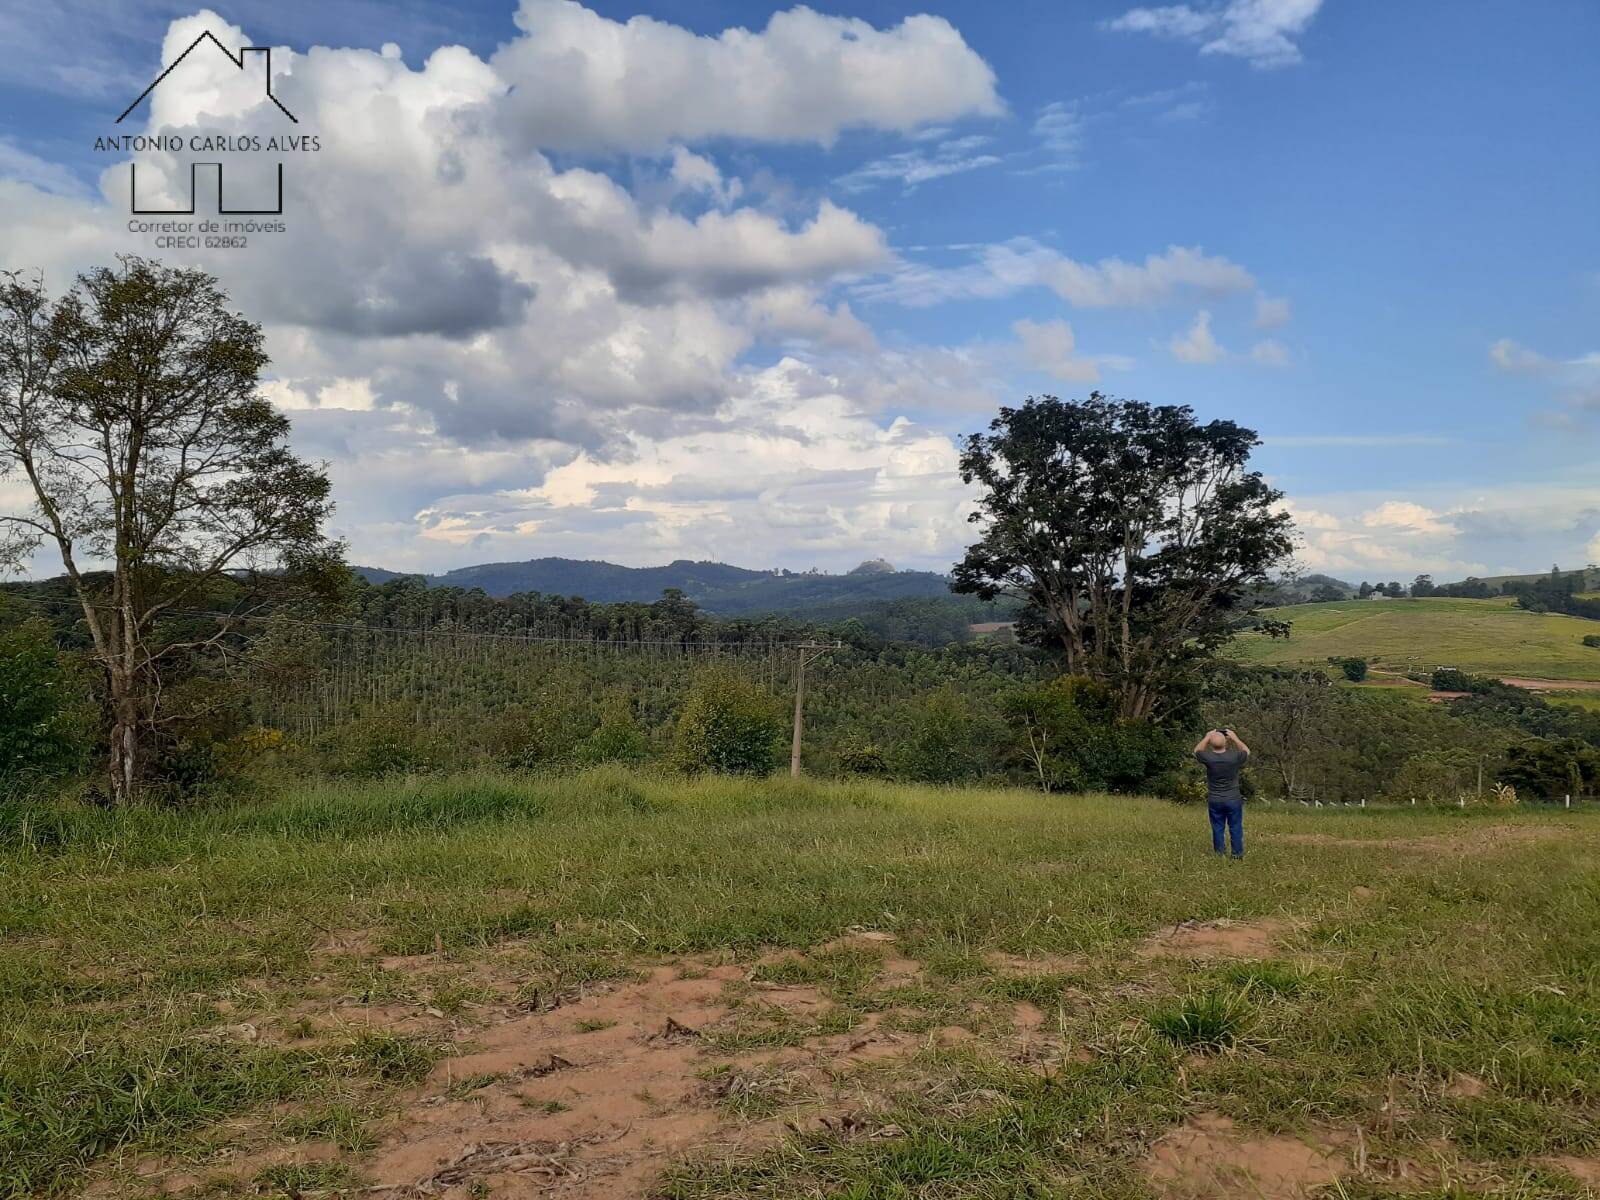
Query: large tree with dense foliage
{"points": [[1136, 535], [130, 417]]}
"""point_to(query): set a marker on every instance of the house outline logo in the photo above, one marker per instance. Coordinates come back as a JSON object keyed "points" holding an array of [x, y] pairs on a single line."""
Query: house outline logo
{"points": [[237, 60]]}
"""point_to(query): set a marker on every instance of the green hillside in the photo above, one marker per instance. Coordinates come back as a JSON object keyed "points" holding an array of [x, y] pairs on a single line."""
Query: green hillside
{"points": [[1591, 577], [1487, 636]]}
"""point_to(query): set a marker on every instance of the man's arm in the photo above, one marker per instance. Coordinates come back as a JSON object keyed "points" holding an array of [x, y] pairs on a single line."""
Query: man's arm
{"points": [[1204, 738], [1237, 741]]}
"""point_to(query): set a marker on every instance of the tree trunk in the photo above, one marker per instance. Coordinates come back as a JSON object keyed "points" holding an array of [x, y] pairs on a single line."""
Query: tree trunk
{"points": [[123, 764]]}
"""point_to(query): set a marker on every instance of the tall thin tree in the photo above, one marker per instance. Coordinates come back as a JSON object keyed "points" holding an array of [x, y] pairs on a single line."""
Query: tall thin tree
{"points": [[131, 418]]}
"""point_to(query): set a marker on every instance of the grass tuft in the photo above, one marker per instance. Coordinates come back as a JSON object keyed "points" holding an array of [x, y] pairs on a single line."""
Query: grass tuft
{"points": [[393, 1057], [1212, 1020]]}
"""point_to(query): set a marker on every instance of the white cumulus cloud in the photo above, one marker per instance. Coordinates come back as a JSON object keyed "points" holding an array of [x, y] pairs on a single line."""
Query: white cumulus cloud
{"points": [[1269, 352], [1197, 344], [1005, 268], [585, 82], [1272, 312], [1262, 32], [1051, 347]]}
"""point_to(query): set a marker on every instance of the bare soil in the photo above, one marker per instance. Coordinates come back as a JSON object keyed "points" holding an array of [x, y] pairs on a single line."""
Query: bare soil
{"points": [[1553, 685], [1221, 939], [1206, 1157]]}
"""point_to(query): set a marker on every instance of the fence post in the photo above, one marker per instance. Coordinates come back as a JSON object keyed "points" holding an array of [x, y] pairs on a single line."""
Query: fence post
{"points": [[799, 715], [817, 651]]}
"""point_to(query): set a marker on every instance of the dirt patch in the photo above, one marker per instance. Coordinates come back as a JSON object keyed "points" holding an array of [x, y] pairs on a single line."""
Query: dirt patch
{"points": [[1465, 1087], [587, 1099], [361, 943], [1032, 964], [1584, 1170], [1553, 685], [1221, 938], [1208, 1157], [596, 1097], [1027, 1016]]}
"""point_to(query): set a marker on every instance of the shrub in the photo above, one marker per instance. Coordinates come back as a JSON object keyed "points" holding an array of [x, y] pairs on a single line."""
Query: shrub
{"points": [[1437, 776], [857, 757], [547, 727], [728, 725], [618, 737], [46, 719], [1355, 669], [1071, 736], [942, 739], [1592, 640], [1180, 786], [1449, 679], [385, 740]]}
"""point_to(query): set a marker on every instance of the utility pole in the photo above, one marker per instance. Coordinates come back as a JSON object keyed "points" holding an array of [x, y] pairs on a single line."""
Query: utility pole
{"points": [[809, 652]]}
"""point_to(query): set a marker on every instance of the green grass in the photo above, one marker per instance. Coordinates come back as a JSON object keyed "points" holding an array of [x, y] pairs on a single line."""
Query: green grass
{"points": [[1482, 636], [130, 943], [1210, 1020], [1588, 700]]}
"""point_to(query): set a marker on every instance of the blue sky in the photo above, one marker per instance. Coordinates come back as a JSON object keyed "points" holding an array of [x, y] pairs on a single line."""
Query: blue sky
{"points": [[1367, 231]]}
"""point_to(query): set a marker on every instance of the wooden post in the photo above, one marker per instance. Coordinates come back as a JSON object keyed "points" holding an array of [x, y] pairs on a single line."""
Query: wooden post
{"points": [[799, 715], [817, 651]]}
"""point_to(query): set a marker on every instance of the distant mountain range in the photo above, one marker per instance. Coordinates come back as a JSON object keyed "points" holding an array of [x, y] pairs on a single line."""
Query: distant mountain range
{"points": [[715, 587]]}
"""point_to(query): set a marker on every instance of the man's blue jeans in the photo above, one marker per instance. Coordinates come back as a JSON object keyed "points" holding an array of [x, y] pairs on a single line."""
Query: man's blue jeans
{"points": [[1227, 814]]}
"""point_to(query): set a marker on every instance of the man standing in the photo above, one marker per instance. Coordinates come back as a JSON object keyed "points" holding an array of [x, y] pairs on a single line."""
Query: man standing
{"points": [[1223, 756]]}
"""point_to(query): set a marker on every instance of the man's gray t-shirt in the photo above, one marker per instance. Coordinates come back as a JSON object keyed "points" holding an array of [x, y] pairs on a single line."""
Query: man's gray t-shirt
{"points": [[1222, 772]]}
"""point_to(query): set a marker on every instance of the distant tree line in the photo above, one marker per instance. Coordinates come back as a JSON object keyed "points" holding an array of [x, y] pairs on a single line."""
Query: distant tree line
{"points": [[1559, 592]]}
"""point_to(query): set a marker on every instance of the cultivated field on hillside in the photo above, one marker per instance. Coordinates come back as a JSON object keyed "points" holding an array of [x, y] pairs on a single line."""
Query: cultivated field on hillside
{"points": [[609, 985], [1485, 636]]}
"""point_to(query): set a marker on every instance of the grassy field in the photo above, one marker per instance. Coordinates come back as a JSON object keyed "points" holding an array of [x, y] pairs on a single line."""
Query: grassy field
{"points": [[1485, 636], [610, 986]]}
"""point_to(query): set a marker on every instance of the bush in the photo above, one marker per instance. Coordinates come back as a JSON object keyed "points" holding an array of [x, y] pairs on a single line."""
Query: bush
{"points": [[383, 741], [1071, 736], [942, 737], [1592, 640], [1355, 669], [857, 757], [1436, 776], [1179, 786], [1449, 679], [618, 737], [728, 725], [46, 718]]}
